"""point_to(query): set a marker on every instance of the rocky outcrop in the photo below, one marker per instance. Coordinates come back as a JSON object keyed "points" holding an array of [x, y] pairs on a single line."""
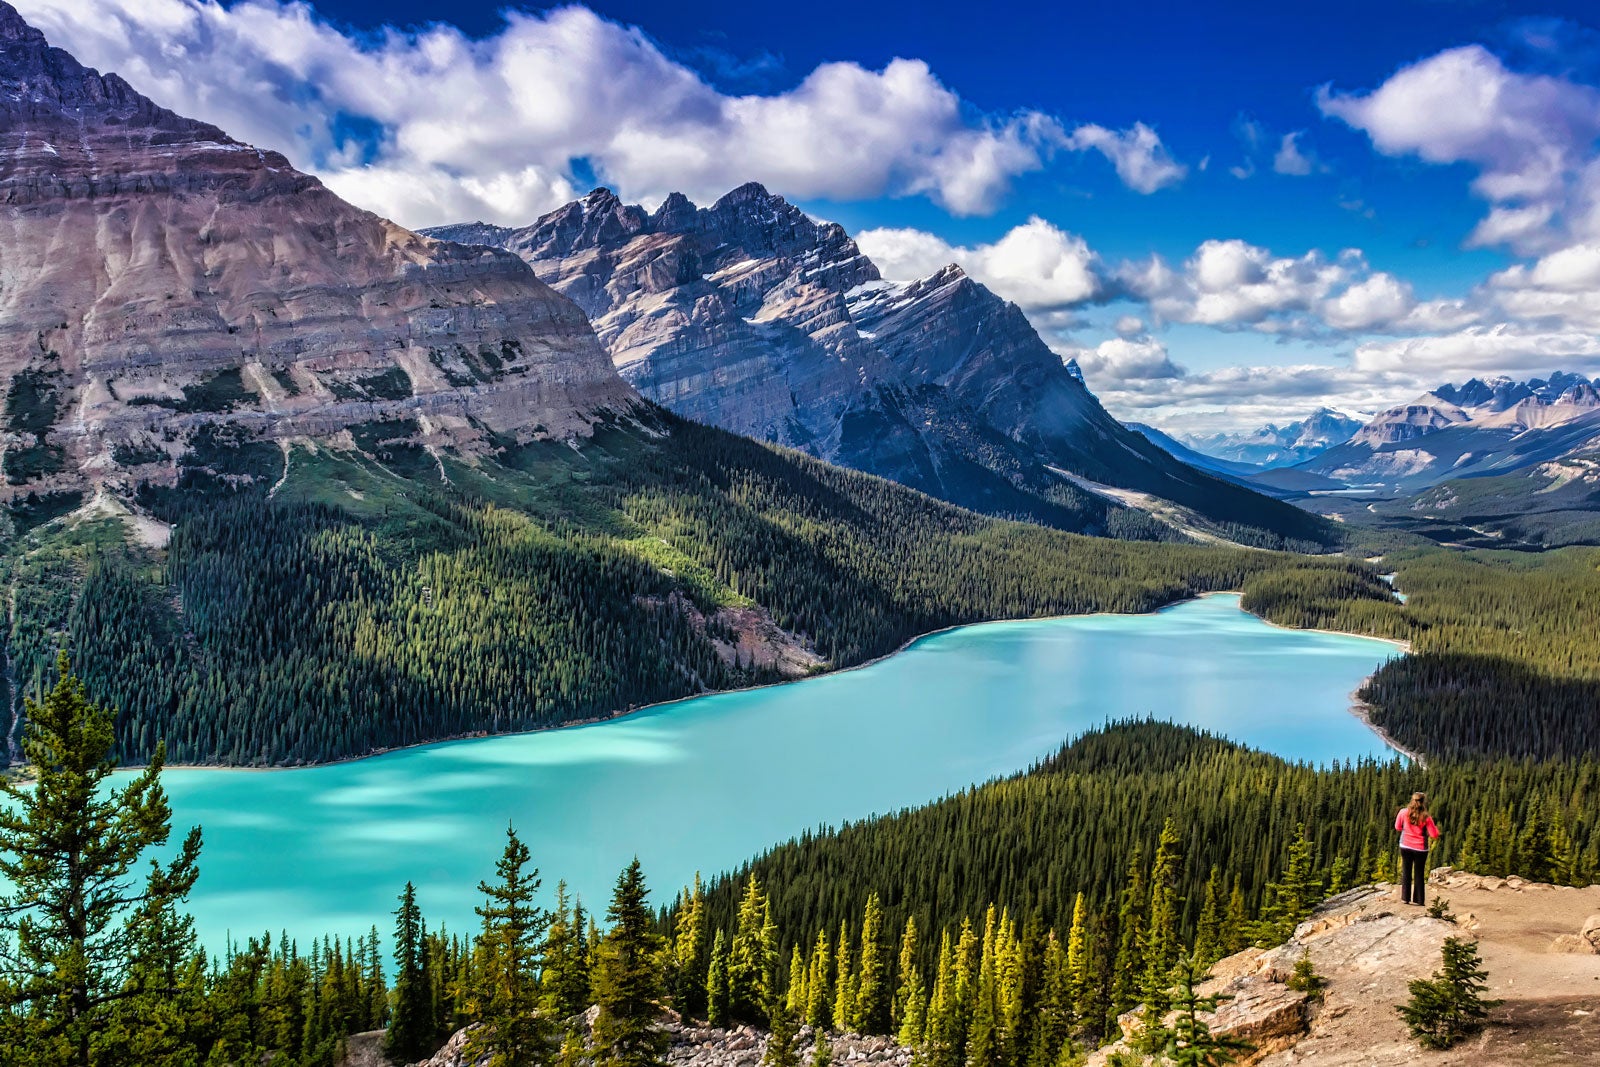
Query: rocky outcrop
{"points": [[1368, 946], [742, 1046], [158, 277]]}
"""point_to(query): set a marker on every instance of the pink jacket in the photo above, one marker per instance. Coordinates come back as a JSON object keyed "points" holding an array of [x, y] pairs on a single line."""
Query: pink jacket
{"points": [[1411, 836]]}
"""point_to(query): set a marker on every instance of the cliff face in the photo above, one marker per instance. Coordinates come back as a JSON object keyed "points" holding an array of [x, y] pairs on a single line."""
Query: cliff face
{"points": [[754, 317], [157, 276]]}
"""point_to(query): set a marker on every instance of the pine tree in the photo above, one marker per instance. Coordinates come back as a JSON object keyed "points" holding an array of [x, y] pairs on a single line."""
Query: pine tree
{"points": [[1078, 974], [753, 960], [1209, 928], [872, 995], [627, 981], [512, 1032], [844, 988], [911, 997], [821, 1050], [411, 1030], [1305, 979], [781, 1050], [1160, 945], [688, 979], [1128, 969], [1189, 1042], [794, 998], [817, 983], [717, 998], [565, 981], [1449, 1006], [1056, 1010], [67, 846], [944, 1043], [1291, 898]]}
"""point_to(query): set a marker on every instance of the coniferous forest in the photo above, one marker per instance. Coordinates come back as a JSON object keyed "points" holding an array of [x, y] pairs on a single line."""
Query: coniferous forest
{"points": [[365, 603], [1010, 924]]}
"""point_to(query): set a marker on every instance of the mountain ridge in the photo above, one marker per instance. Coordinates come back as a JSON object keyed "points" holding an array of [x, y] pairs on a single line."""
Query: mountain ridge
{"points": [[160, 280], [752, 316]]}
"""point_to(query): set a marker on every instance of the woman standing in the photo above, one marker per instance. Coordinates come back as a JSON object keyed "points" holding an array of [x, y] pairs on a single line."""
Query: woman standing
{"points": [[1416, 830]]}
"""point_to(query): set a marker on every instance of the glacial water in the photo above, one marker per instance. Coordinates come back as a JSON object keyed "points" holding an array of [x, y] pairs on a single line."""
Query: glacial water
{"points": [[705, 783]]}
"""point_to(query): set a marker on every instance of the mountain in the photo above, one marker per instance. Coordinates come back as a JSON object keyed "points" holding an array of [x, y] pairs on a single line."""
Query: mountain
{"points": [[752, 316], [1479, 428], [1180, 451], [164, 283], [1279, 446], [289, 482], [1543, 505]]}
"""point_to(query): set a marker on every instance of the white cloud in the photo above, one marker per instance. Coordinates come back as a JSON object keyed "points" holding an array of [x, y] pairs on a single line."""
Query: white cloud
{"points": [[448, 127], [1290, 159], [1530, 136], [1128, 325], [1234, 284], [1127, 359], [1036, 265], [1379, 300], [1502, 348], [1142, 161]]}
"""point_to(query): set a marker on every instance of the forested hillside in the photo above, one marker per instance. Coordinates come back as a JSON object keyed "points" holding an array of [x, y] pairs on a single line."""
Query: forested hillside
{"points": [[318, 603], [1504, 657]]}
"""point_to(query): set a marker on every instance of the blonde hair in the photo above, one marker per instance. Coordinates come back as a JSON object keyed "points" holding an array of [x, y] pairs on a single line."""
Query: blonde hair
{"points": [[1417, 810]]}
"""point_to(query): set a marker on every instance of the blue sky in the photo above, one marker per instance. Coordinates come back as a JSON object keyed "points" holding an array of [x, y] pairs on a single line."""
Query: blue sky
{"points": [[1226, 212]]}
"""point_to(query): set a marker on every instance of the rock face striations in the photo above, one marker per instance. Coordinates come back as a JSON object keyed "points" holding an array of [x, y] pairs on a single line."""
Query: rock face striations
{"points": [[159, 281], [752, 316]]}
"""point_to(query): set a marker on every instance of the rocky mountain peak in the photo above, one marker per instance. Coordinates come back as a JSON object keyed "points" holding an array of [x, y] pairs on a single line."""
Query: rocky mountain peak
{"points": [[164, 281]]}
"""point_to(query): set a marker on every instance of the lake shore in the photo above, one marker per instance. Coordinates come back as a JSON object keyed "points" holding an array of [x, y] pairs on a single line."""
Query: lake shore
{"points": [[1356, 708]]}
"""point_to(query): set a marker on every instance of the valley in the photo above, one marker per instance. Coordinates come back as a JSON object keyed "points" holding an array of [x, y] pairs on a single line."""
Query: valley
{"points": [[841, 584]]}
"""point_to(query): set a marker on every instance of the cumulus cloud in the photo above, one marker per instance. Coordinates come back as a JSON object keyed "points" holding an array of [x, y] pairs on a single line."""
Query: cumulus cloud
{"points": [[1530, 136], [1501, 348], [1232, 284], [1037, 265], [1127, 359], [1141, 160], [433, 126]]}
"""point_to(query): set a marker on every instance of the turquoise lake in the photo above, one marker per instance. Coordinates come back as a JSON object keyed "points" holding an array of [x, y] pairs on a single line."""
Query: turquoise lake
{"points": [[705, 783]]}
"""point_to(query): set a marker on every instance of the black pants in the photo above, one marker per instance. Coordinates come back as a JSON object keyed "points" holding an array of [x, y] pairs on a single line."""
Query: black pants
{"points": [[1412, 866]]}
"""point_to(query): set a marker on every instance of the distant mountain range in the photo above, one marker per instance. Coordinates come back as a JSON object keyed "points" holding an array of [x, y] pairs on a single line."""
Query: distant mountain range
{"points": [[1479, 428], [751, 316], [1279, 446]]}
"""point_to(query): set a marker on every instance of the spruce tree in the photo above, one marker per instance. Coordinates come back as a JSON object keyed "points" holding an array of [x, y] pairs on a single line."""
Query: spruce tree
{"points": [[794, 998], [1077, 955], [717, 998], [688, 979], [872, 995], [67, 848], [504, 998], [1128, 968], [411, 1030], [1160, 944], [780, 1050], [911, 996], [1208, 932], [844, 989], [1449, 1006], [1189, 1041], [1293, 897], [627, 980], [752, 963], [818, 989], [564, 982]]}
